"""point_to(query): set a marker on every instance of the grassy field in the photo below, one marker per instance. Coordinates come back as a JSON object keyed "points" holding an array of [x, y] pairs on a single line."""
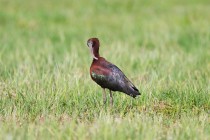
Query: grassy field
{"points": [[162, 46]]}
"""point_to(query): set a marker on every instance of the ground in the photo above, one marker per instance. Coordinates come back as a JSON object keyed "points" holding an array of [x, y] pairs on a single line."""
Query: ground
{"points": [[45, 88]]}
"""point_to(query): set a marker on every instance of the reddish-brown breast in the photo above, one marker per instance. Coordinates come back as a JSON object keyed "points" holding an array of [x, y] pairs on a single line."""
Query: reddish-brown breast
{"points": [[98, 67]]}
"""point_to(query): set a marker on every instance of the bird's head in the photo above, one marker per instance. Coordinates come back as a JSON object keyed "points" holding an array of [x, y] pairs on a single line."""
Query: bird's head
{"points": [[93, 44]]}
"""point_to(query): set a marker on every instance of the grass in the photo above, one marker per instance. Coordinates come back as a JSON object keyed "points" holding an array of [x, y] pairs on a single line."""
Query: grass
{"points": [[45, 88]]}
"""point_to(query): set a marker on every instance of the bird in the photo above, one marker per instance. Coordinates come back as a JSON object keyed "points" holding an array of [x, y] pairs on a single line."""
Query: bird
{"points": [[107, 75]]}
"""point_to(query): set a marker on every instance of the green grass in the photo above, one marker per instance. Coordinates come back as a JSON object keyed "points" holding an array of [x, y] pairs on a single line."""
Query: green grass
{"points": [[162, 46]]}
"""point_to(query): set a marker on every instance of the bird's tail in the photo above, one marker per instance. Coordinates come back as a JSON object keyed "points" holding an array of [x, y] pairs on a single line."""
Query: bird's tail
{"points": [[130, 89], [133, 91]]}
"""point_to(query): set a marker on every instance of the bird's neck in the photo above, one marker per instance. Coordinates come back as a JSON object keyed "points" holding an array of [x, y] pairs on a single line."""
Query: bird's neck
{"points": [[96, 52]]}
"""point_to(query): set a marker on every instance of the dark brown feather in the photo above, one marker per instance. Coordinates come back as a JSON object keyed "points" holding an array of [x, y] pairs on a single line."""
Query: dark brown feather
{"points": [[109, 76]]}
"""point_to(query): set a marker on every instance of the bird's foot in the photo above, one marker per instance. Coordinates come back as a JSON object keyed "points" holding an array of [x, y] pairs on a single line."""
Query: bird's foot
{"points": [[111, 102], [104, 101]]}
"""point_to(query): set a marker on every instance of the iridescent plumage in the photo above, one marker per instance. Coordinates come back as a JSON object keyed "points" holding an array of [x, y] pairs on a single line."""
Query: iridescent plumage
{"points": [[107, 75]]}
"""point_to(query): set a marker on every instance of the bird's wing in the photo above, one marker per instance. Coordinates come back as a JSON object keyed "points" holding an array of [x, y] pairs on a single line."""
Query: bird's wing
{"points": [[118, 75], [120, 80], [109, 76]]}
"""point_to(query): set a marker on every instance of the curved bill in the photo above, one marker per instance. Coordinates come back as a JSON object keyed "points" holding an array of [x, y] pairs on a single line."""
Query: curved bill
{"points": [[91, 51]]}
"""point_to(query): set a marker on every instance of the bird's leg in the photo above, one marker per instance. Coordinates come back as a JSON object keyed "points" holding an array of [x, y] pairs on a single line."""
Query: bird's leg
{"points": [[104, 96], [111, 98]]}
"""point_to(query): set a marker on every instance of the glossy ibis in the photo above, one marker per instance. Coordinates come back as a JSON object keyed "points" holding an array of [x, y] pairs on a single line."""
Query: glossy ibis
{"points": [[107, 75]]}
